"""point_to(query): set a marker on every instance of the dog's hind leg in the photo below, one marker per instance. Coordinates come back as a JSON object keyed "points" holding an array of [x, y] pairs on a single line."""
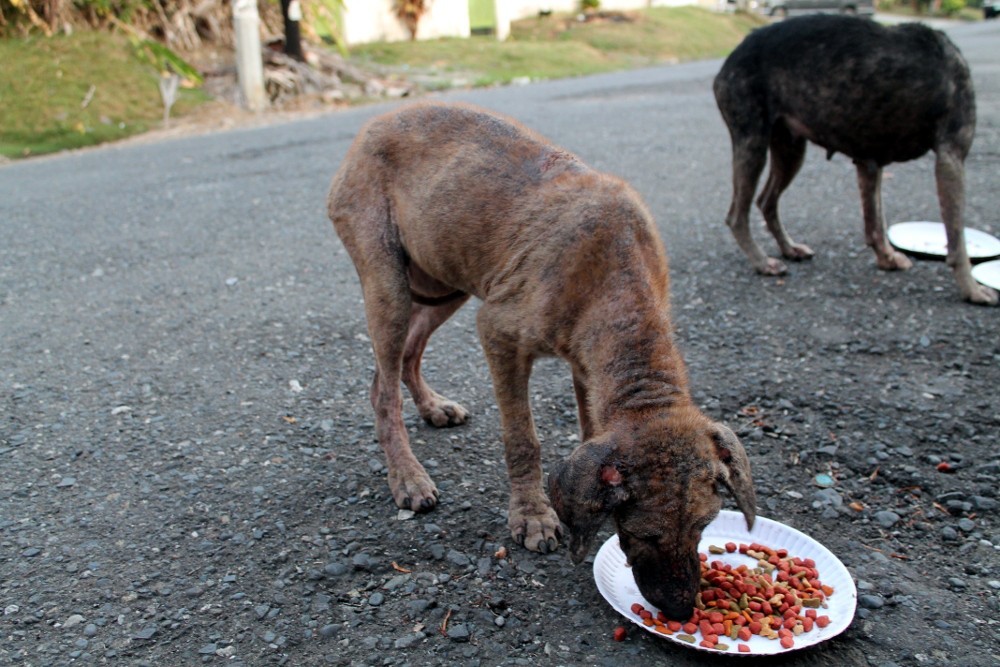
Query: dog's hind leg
{"points": [[749, 157], [434, 408], [949, 172], [870, 184], [360, 213], [532, 521], [787, 154]]}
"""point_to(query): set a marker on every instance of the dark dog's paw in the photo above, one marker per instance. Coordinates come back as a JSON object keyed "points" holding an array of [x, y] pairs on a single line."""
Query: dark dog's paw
{"points": [[441, 412], [893, 261], [798, 252], [982, 295], [413, 489], [773, 267]]}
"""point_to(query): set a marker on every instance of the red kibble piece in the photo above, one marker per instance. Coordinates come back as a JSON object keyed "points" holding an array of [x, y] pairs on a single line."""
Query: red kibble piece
{"points": [[689, 628], [674, 626], [944, 466], [745, 634], [807, 624], [703, 558], [811, 613], [620, 634], [645, 614], [713, 639], [742, 648], [755, 627], [706, 644], [822, 621], [743, 548], [715, 617], [787, 642], [636, 608], [718, 628], [731, 547]]}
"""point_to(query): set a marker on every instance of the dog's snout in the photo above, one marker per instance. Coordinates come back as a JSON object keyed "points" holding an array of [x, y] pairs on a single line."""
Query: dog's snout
{"points": [[671, 587]]}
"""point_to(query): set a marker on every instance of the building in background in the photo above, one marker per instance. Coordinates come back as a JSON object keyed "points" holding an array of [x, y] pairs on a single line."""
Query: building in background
{"points": [[375, 21]]}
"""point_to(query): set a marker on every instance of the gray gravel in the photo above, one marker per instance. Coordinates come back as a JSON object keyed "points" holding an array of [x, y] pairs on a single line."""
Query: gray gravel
{"points": [[189, 467]]}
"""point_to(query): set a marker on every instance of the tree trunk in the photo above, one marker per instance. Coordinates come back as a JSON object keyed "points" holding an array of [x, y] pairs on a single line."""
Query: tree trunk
{"points": [[291, 11]]}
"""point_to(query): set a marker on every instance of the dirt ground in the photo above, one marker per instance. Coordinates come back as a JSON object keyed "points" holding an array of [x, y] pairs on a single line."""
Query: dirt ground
{"points": [[190, 474]]}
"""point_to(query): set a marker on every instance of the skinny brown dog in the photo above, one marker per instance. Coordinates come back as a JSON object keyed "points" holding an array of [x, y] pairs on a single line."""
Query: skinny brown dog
{"points": [[438, 202]]}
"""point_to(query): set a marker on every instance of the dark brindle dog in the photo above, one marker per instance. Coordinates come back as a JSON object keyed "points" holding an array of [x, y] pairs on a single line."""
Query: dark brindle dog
{"points": [[435, 203], [878, 95]]}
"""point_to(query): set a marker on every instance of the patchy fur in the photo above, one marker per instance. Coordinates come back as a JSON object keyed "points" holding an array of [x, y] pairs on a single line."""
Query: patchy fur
{"points": [[434, 200], [876, 94]]}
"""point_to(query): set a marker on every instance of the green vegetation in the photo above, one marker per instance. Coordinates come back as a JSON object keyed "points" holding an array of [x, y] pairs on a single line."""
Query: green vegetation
{"points": [[48, 103], [560, 46], [95, 86]]}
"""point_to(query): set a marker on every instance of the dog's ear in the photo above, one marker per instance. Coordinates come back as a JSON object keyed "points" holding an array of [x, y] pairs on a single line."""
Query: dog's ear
{"points": [[734, 471], [584, 489]]}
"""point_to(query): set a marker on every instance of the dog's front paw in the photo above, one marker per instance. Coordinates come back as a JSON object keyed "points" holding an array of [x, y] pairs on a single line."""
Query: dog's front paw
{"points": [[441, 412], [535, 528], [412, 488]]}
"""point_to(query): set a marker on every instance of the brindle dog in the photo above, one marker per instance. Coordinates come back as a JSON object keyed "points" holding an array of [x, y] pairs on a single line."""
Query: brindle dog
{"points": [[876, 94], [436, 203]]}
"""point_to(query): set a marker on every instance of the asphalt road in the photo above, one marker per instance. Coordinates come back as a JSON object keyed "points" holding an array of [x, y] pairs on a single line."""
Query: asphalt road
{"points": [[178, 316]]}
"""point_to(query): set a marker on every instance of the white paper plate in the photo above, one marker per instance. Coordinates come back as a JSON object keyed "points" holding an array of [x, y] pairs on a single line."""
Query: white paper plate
{"points": [[616, 584], [929, 238], [988, 273]]}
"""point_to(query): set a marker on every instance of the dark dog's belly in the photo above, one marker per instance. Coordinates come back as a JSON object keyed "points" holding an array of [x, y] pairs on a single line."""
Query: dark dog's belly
{"points": [[893, 144]]}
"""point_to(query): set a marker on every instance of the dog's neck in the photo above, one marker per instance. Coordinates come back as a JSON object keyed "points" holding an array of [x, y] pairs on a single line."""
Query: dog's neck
{"points": [[639, 373]]}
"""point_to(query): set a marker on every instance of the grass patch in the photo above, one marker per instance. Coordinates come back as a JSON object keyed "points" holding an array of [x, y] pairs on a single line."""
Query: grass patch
{"points": [[559, 46], [45, 81]]}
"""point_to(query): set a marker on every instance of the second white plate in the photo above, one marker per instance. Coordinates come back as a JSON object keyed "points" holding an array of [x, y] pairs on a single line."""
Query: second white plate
{"points": [[988, 273], [929, 238]]}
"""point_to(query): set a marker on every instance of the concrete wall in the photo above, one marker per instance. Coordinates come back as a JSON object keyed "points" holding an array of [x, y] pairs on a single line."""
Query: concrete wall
{"points": [[519, 9], [374, 21]]}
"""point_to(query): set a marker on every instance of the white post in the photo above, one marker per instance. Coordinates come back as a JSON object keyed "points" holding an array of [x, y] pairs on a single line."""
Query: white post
{"points": [[249, 59], [502, 17]]}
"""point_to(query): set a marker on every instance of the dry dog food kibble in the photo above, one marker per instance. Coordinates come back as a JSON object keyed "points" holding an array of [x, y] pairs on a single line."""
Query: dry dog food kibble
{"points": [[777, 598]]}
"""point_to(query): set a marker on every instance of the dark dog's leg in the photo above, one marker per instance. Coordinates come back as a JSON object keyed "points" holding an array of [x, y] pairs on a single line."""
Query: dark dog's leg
{"points": [[749, 156], [531, 519], [950, 175], [870, 184], [434, 408], [787, 154]]}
